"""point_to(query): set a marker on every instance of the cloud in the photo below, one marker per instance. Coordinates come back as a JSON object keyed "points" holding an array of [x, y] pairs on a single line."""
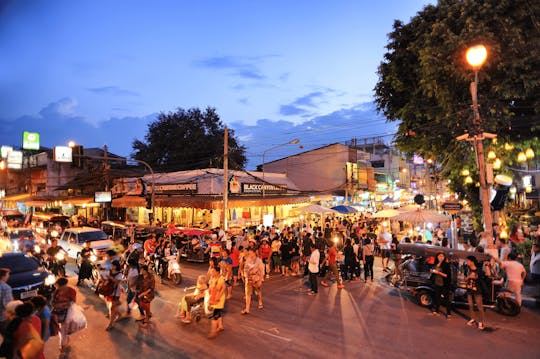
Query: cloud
{"points": [[113, 90], [57, 123], [360, 121], [63, 107], [243, 67], [298, 106]]}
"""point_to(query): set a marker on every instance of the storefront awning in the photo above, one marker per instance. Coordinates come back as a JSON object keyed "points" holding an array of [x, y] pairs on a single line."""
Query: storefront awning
{"points": [[79, 201], [16, 197], [216, 202], [128, 201]]}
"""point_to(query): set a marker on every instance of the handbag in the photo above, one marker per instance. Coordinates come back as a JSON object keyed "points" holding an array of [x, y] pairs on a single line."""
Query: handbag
{"points": [[75, 319]]}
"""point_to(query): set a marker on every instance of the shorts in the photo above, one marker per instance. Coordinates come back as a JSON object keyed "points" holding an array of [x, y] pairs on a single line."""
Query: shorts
{"points": [[228, 283], [249, 289], [216, 314], [386, 253], [235, 271]]}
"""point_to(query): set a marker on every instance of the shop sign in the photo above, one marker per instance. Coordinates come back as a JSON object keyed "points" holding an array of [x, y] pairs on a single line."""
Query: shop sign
{"points": [[30, 140], [15, 159], [258, 188], [176, 188]]}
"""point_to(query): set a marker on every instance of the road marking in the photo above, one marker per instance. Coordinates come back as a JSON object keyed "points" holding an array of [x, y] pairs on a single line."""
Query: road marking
{"points": [[274, 329]]}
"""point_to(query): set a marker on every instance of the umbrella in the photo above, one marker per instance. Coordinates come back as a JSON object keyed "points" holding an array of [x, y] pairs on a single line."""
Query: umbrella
{"points": [[420, 216], [386, 213], [314, 208], [345, 209]]}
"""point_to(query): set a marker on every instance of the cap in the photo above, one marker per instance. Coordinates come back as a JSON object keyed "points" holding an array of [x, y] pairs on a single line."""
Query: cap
{"points": [[11, 306]]}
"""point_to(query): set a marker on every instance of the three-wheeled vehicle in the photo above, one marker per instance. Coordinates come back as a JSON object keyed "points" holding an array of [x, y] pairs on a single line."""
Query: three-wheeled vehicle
{"points": [[416, 278], [193, 248]]}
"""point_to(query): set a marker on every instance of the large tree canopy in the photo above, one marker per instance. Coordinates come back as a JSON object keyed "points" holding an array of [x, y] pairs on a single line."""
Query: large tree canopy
{"points": [[424, 77], [188, 139]]}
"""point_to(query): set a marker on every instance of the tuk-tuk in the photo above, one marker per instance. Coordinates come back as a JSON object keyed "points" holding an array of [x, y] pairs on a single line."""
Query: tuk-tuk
{"points": [[116, 230], [416, 278], [190, 242], [50, 225]]}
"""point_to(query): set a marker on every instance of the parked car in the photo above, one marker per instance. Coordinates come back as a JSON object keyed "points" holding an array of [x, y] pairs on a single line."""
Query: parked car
{"points": [[27, 277], [21, 237], [73, 239]]}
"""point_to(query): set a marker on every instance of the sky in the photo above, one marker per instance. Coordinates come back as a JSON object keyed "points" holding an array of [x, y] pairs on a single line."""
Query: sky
{"points": [[99, 71]]}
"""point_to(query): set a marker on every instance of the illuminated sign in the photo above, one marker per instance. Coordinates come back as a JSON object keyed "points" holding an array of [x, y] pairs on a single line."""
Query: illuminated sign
{"points": [[63, 154], [258, 188], [30, 140], [5, 150], [103, 197], [15, 160], [176, 188]]}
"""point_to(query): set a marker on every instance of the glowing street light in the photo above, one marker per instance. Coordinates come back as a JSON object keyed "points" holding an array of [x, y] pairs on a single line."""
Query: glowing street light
{"points": [[476, 56]]}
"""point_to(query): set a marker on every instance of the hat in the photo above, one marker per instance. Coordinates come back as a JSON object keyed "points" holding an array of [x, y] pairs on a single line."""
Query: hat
{"points": [[11, 306]]}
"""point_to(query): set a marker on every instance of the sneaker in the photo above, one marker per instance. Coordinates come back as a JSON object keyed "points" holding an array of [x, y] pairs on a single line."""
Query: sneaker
{"points": [[481, 326], [471, 322]]}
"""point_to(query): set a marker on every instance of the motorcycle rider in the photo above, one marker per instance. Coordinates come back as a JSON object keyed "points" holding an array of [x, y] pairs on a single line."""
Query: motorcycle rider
{"points": [[85, 271], [52, 252]]}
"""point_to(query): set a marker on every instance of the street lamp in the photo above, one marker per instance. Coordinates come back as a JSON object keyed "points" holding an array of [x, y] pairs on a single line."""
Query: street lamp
{"points": [[291, 142], [476, 56]]}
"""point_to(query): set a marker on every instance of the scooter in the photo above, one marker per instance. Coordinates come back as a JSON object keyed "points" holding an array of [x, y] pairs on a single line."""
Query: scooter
{"points": [[57, 264], [172, 272]]}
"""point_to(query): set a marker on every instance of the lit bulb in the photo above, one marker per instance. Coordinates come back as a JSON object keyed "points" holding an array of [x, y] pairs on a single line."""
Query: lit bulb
{"points": [[491, 155], [476, 55], [521, 157], [529, 153], [468, 180], [508, 146], [465, 172], [497, 164]]}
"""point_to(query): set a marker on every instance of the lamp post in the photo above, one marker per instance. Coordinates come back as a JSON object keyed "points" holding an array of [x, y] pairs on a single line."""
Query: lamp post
{"points": [[291, 142], [476, 56]]}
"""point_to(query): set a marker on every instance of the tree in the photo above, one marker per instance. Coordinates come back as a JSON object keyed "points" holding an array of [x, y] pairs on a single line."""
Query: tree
{"points": [[424, 78], [186, 140]]}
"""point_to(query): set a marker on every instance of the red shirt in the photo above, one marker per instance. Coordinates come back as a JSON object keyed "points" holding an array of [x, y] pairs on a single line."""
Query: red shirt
{"points": [[265, 252], [332, 254], [235, 256]]}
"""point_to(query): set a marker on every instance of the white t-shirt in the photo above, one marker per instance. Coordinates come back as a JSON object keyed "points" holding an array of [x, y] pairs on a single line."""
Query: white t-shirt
{"points": [[385, 240], [314, 258], [513, 270]]}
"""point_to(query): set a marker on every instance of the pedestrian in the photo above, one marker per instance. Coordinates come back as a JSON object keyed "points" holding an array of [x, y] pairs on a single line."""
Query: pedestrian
{"points": [[22, 339], [43, 312], [225, 269], [331, 261], [276, 257], [474, 292], [368, 258], [265, 252], [113, 301], [254, 275], [350, 261], [285, 249], [313, 267], [145, 292], [6, 296], [131, 281], [216, 301], [62, 298], [385, 242], [441, 284]]}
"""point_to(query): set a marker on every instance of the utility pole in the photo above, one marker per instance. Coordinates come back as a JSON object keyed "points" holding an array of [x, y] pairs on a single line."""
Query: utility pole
{"points": [[225, 178]]}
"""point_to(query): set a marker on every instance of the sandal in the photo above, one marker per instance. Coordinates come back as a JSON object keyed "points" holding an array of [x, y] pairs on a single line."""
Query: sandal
{"points": [[244, 312], [261, 306]]}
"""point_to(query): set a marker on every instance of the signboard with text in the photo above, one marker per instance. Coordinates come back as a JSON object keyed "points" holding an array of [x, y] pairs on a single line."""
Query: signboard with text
{"points": [[4, 150], [63, 154], [30, 140], [452, 207], [103, 197], [176, 188], [258, 188], [15, 159]]}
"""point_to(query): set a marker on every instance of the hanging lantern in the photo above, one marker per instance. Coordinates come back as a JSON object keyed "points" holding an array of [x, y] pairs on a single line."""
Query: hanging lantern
{"points": [[468, 180], [529, 153], [508, 146], [521, 157], [491, 155], [465, 172], [497, 164]]}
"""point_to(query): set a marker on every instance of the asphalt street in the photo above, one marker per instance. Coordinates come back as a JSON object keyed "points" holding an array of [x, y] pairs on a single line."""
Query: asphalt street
{"points": [[364, 320]]}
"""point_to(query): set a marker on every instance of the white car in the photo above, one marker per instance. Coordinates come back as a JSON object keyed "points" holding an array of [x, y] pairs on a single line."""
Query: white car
{"points": [[73, 239]]}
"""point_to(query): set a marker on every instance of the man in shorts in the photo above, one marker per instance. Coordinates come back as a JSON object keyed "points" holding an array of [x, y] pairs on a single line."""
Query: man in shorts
{"points": [[385, 242]]}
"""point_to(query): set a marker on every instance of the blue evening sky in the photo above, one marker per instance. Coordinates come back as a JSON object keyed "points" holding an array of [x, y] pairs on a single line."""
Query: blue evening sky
{"points": [[98, 71]]}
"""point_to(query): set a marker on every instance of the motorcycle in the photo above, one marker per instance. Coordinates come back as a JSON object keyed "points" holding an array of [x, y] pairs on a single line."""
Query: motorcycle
{"points": [[57, 264], [169, 269]]}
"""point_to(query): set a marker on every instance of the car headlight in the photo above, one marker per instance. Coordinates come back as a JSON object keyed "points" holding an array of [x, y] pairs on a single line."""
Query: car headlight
{"points": [[54, 233], [60, 256], [37, 249], [176, 266], [50, 280], [93, 258]]}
